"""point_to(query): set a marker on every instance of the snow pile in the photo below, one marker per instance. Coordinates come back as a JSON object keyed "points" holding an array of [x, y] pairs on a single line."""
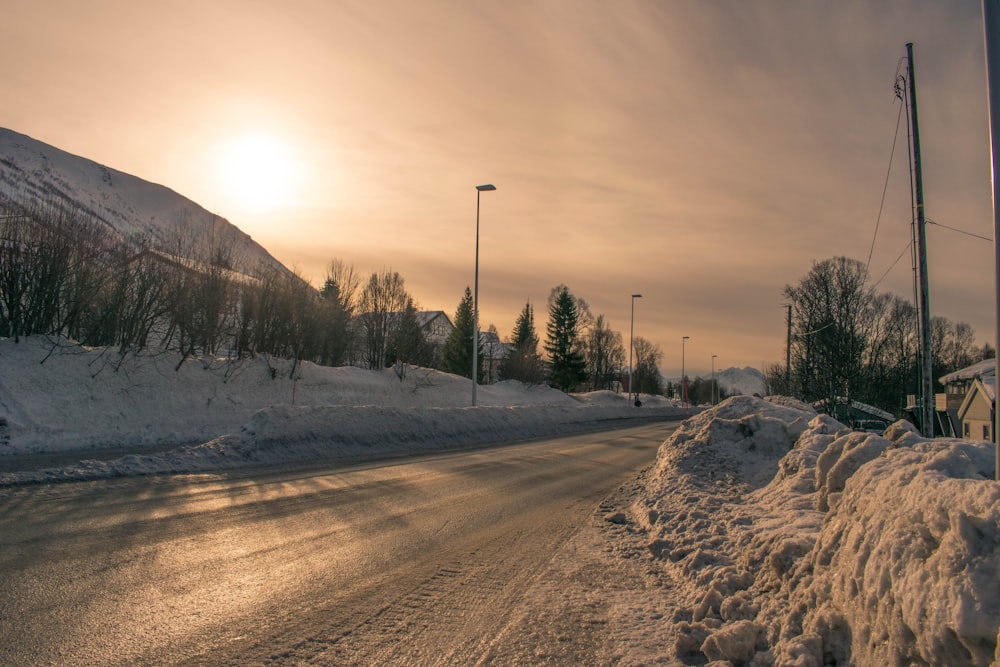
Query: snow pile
{"points": [[792, 540], [211, 414]]}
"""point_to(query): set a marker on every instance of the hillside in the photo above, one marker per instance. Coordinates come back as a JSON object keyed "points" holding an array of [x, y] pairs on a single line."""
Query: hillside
{"points": [[32, 171]]}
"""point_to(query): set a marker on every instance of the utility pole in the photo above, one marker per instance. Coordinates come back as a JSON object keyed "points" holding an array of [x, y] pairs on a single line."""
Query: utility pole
{"points": [[923, 300]]}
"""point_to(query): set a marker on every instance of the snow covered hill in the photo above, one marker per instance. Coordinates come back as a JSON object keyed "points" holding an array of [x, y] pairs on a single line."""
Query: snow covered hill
{"points": [[34, 171]]}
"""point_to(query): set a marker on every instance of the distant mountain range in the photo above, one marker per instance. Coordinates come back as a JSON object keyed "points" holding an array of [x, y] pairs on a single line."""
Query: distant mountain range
{"points": [[32, 171]]}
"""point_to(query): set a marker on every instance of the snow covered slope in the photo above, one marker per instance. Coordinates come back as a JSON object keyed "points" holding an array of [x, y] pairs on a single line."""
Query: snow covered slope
{"points": [[746, 381], [34, 171]]}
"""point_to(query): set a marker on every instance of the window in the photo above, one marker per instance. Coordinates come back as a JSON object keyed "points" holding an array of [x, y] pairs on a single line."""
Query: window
{"points": [[968, 430], [986, 431]]}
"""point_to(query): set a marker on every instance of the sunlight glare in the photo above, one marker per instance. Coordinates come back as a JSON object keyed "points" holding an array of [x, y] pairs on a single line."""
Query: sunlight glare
{"points": [[256, 173]]}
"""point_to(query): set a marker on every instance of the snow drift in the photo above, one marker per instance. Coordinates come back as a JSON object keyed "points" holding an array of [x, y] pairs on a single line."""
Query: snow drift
{"points": [[211, 414], [793, 540]]}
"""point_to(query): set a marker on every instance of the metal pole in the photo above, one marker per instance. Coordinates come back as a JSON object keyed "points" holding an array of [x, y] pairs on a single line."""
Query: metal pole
{"points": [[788, 355], [631, 337], [475, 310], [684, 384], [475, 299], [923, 302], [991, 26], [714, 401]]}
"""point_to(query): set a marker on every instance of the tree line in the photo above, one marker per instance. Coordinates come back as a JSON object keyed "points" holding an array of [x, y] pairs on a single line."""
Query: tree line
{"points": [[67, 275], [849, 342]]}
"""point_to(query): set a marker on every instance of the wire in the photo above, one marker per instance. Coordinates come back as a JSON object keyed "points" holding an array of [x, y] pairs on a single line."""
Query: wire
{"points": [[885, 187], [960, 231], [905, 248]]}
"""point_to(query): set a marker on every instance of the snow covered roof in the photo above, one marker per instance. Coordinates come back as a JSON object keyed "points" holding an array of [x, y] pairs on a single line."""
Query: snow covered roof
{"points": [[985, 368], [861, 407], [987, 385]]}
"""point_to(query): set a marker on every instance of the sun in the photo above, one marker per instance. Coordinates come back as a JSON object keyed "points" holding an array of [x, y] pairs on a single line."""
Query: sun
{"points": [[256, 172]]}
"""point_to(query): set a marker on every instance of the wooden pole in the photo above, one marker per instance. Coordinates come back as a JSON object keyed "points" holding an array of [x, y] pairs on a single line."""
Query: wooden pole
{"points": [[923, 298]]}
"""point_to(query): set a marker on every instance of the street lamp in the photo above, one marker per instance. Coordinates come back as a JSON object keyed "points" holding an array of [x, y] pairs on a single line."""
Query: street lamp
{"points": [[631, 336], [684, 384], [713, 378], [475, 298]]}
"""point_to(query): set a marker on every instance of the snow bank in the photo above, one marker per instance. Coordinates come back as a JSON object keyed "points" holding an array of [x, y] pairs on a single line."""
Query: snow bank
{"points": [[792, 540], [214, 414]]}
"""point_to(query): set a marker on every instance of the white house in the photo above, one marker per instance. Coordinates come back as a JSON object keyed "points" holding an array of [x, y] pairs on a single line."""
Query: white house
{"points": [[970, 394]]}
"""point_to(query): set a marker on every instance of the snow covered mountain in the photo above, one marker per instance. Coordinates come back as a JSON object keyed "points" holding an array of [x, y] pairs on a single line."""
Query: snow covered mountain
{"points": [[746, 381], [32, 171]]}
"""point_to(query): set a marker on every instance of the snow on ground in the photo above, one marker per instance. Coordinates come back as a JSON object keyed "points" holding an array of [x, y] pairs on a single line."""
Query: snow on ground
{"points": [[778, 536], [149, 413], [764, 534]]}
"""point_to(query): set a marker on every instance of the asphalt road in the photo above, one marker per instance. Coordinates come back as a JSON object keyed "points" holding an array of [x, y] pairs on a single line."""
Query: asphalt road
{"points": [[414, 562]]}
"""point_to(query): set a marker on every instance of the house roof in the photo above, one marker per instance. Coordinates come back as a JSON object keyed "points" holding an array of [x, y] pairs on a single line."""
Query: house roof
{"points": [[981, 369], [984, 389], [425, 317], [861, 407]]}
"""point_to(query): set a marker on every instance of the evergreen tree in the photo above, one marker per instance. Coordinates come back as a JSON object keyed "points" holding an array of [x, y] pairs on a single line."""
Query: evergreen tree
{"points": [[567, 365], [458, 347], [338, 331], [523, 361], [407, 344]]}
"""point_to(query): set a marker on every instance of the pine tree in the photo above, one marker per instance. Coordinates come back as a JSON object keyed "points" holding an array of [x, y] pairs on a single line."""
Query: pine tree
{"points": [[524, 337], [458, 347], [406, 342], [523, 361], [568, 367]]}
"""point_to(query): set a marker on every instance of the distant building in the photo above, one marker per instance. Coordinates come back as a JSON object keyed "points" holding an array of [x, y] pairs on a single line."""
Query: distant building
{"points": [[436, 326], [494, 352], [965, 409]]}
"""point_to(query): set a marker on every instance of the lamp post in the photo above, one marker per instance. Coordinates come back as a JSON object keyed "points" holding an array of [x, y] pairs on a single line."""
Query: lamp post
{"points": [[631, 336], [684, 384], [713, 378], [475, 298]]}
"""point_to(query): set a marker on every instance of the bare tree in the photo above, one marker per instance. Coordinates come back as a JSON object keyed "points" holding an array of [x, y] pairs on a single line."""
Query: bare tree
{"points": [[830, 305], [383, 297], [646, 374], [604, 354]]}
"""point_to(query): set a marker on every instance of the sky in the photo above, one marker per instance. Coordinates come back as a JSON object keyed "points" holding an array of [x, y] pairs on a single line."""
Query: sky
{"points": [[702, 153]]}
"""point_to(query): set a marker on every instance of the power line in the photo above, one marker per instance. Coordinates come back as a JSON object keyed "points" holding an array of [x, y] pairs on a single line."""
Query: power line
{"points": [[907, 247], [960, 231], [885, 188]]}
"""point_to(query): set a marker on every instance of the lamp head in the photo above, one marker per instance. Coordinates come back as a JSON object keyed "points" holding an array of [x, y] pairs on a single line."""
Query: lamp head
{"points": [[489, 187]]}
